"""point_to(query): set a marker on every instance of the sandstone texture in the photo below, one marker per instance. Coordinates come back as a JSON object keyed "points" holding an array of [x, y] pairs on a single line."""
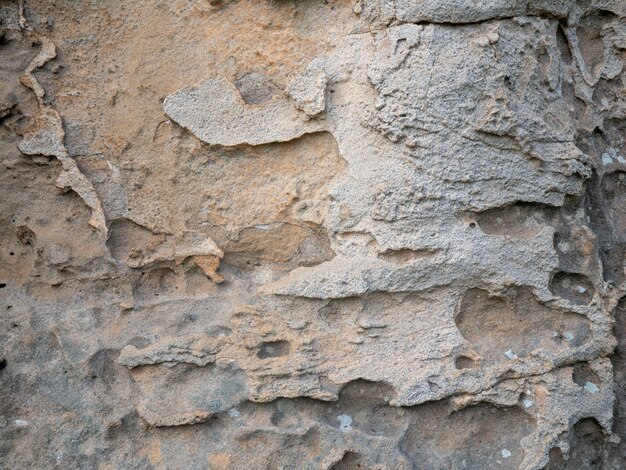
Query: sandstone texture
{"points": [[317, 234]]}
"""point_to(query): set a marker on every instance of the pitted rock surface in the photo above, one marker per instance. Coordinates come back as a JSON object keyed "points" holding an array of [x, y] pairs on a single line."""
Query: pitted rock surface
{"points": [[340, 234]]}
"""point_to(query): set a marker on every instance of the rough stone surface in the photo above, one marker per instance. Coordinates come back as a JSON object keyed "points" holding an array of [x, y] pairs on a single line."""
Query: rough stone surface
{"points": [[339, 234]]}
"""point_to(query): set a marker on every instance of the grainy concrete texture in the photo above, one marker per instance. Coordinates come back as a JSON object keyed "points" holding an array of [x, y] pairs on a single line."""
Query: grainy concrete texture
{"points": [[313, 234]]}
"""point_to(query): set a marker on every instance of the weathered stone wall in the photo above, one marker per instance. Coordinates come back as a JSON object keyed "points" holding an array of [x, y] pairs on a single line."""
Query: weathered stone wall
{"points": [[249, 234]]}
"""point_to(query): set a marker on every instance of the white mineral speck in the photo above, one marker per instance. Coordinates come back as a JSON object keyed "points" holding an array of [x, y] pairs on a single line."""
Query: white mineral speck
{"points": [[345, 422], [510, 354]]}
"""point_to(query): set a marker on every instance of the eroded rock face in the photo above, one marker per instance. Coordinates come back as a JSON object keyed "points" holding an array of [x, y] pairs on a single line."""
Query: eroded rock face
{"points": [[326, 234]]}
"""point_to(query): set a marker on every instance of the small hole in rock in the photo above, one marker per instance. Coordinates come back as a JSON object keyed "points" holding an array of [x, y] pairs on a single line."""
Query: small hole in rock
{"points": [[274, 349], [582, 374], [574, 287], [464, 362]]}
